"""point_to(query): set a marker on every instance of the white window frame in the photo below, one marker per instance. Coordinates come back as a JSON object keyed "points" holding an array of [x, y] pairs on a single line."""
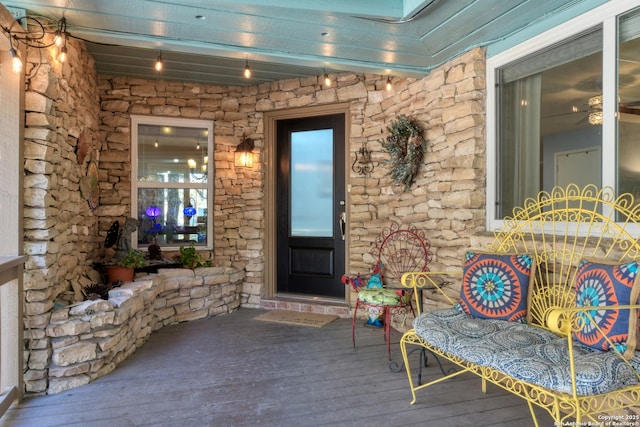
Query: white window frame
{"points": [[135, 184], [604, 16]]}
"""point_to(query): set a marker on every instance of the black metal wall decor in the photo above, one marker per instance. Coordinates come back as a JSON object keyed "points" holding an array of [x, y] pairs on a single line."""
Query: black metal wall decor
{"points": [[363, 165]]}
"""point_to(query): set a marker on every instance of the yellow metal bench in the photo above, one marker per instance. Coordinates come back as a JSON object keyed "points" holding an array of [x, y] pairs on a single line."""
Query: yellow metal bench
{"points": [[550, 359]]}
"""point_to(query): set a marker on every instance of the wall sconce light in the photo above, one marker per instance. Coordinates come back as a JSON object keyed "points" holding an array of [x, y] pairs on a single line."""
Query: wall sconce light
{"points": [[363, 165], [153, 212], [243, 156]]}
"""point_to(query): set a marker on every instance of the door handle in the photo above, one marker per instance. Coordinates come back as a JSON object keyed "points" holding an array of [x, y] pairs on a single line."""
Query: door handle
{"points": [[343, 224]]}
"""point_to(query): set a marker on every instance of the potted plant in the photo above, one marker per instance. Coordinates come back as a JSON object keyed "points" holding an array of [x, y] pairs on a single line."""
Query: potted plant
{"points": [[191, 258], [125, 268]]}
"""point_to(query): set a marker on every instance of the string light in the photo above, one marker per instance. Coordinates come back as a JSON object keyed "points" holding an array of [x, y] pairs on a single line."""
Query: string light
{"points": [[159, 64], [16, 63], [37, 38], [60, 37], [62, 56], [247, 70]]}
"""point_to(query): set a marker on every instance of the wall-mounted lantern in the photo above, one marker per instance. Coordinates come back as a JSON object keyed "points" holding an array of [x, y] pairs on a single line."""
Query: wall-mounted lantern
{"points": [[243, 156]]}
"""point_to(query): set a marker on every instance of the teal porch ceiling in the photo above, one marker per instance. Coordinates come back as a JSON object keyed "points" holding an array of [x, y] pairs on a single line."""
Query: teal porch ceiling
{"points": [[209, 41]]}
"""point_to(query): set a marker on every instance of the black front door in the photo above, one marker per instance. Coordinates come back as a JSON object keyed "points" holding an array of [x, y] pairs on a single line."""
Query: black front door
{"points": [[310, 205]]}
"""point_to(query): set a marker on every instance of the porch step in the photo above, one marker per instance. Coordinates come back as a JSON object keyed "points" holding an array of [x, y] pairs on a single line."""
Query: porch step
{"points": [[319, 307]]}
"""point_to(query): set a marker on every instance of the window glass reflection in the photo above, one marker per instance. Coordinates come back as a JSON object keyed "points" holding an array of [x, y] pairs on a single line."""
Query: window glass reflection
{"points": [[172, 216], [628, 158], [550, 131], [172, 154]]}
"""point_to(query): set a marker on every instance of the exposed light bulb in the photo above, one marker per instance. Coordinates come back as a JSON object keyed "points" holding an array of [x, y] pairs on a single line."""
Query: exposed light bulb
{"points": [[247, 71], [16, 63], [58, 39], [389, 86], [327, 80], [62, 56], [159, 64], [155, 144]]}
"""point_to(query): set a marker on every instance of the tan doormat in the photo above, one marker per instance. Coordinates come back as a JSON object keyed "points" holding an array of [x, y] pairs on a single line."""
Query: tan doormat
{"points": [[313, 320]]}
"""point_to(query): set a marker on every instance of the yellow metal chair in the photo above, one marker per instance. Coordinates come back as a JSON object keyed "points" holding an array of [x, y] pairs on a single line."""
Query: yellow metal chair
{"points": [[561, 230]]}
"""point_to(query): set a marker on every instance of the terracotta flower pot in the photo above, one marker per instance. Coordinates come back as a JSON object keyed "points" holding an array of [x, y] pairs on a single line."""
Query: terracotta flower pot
{"points": [[116, 272]]}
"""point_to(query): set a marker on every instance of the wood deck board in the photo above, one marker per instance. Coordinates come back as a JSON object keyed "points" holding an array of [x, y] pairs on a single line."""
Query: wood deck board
{"points": [[237, 371]]}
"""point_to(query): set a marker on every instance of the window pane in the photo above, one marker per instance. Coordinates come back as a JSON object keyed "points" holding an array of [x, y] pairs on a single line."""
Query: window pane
{"points": [[550, 121], [628, 158], [172, 216], [172, 154], [312, 183]]}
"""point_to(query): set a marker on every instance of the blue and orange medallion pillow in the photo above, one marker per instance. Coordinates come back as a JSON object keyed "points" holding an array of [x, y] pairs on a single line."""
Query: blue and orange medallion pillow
{"points": [[604, 284], [496, 286]]}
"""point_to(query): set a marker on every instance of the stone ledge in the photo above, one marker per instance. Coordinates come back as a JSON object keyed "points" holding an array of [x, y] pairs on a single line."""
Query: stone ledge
{"points": [[93, 337]]}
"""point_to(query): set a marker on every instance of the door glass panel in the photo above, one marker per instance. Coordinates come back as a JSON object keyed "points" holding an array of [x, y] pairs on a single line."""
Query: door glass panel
{"points": [[312, 183]]}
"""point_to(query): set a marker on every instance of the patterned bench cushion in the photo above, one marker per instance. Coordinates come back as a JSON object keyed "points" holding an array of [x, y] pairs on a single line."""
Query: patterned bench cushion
{"points": [[524, 352]]}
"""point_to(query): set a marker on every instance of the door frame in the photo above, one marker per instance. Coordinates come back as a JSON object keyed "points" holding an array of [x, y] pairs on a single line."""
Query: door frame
{"points": [[270, 162]]}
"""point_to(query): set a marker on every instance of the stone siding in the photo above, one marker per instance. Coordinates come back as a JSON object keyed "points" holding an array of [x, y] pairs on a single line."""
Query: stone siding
{"points": [[60, 230], [91, 338], [447, 199]]}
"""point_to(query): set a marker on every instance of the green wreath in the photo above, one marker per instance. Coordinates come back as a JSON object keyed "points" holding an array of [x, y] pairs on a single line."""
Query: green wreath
{"points": [[406, 146]]}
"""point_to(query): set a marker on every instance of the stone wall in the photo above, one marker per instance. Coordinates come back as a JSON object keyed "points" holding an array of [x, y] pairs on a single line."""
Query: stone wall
{"points": [[91, 338], [238, 210], [447, 199], [60, 230]]}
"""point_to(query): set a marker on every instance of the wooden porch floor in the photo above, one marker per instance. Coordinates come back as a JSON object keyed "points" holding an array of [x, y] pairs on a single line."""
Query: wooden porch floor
{"points": [[236, 371]]}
